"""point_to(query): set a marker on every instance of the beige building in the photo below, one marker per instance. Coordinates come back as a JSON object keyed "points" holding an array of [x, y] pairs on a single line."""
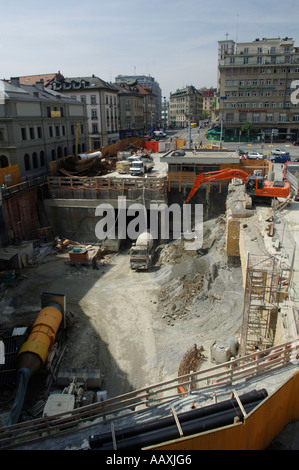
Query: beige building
{"points": [[208, 98], [38, 126], [131, 109], [101, 103], [255, 82], [185, 105]]}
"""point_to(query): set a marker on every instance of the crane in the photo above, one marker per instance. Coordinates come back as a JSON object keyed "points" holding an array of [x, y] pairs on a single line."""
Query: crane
{"points": [[254, 185]]}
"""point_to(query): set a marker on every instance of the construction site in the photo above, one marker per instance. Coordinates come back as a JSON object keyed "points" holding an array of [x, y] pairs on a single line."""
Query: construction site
{"points": [[192, 349]]}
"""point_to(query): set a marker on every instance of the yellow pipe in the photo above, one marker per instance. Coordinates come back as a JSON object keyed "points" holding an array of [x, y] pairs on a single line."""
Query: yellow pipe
{"points": [[43, 332]]}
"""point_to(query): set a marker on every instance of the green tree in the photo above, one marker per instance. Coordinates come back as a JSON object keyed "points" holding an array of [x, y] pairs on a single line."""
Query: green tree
{"points": [[247, 126]]}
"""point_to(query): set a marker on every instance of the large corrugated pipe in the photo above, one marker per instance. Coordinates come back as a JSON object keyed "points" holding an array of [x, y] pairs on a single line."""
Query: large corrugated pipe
{"points": [[34, 353], [41, 338]]}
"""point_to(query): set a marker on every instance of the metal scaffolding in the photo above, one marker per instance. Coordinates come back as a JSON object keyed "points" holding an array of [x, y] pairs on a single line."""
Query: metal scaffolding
{"points": [[267, 284]]}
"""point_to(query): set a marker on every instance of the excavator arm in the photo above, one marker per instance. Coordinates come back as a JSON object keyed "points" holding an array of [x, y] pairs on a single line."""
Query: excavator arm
{"points": [[216, 176]]}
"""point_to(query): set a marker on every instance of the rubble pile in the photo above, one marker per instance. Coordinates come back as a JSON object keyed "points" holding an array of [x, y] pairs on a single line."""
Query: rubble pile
{"points": [[189, 277]]}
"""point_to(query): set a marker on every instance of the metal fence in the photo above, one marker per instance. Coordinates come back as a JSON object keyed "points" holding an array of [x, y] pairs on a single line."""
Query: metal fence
{"points": [[217, 377]]}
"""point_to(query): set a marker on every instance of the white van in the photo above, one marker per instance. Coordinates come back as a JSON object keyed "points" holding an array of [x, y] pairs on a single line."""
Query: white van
{"points": [[159, 134]]}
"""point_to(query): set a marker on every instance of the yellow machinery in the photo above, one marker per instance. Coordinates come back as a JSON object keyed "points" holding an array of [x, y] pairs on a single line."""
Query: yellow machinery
{"points": [[41, 338], [34, 352]]}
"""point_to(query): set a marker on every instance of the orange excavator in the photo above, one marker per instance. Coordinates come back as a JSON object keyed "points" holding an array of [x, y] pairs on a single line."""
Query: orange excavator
{"points": [[255, 186]]}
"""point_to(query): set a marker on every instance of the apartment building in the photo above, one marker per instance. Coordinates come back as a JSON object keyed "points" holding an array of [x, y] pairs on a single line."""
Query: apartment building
{"points": [[185, 105], [255, 82], [149, 83], [208, 99], [102, 106], [37, 126], [131, 109], [165, 114]]}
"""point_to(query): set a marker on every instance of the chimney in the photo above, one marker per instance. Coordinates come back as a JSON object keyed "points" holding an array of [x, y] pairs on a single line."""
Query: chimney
{"points": [[40, 85], [15, 81]]}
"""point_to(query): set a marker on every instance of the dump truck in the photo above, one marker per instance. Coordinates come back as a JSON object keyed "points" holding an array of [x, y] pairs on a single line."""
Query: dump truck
{"points": [[141, 252], [291, 175], [141, 166]]}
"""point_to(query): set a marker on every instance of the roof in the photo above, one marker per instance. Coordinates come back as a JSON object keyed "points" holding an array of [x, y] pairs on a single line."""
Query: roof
{"points": [[32, 79], [133, 87], [6, 89], [31, 93], [79, 83]]}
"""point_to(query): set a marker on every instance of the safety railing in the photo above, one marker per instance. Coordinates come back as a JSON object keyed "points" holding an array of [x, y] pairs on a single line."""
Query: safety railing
{"points": [[25, 185], [107, 188], [219, 376]]}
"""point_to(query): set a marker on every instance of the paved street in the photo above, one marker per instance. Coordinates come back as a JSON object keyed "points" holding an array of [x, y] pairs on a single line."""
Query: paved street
{"points": [[198, 135]]}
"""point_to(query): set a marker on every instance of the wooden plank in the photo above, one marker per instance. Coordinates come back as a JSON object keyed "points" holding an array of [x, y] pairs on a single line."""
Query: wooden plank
{"points": [[240, 404], [113, 437], [177, 421]]}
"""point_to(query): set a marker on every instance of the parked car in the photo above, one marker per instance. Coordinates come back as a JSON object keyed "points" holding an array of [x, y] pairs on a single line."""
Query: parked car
{"points": [[281, 158], [279, 152], [256, 155]]}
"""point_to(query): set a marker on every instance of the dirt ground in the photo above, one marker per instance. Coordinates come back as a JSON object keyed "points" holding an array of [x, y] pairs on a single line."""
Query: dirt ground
{"points": [[136, 326]]}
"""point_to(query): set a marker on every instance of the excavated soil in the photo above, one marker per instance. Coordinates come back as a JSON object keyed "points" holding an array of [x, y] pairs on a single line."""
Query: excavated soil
{"points": [[137, 326]]}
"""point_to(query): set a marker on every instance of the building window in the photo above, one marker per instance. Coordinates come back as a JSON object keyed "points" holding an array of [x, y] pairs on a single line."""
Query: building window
{"points": [[93, 99], [57, 131], [42, 158], [39, 132], [24, 133], [282, 117], [27, 162], [34, 161], [3, 161], [50, 131], [31, 132]]}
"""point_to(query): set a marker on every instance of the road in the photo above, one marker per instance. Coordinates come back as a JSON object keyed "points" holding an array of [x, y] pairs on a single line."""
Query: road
{"points": [[198, 135]]}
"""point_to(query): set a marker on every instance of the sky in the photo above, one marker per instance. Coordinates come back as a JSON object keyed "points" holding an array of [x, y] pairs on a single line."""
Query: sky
{"points": [[174, 41]]}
